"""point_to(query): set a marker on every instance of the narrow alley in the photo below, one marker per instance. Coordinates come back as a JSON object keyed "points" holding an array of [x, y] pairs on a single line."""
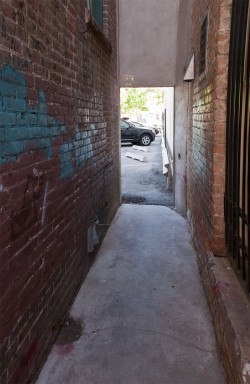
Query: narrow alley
{"points": [[163, 298], [142, 310]]}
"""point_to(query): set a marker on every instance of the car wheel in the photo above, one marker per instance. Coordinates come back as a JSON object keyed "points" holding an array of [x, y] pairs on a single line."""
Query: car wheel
{"points": [[145, 139]]}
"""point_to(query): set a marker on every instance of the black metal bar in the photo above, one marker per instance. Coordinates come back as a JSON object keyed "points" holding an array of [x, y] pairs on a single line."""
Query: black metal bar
{"points": [[245, 159], [238, 143], [240, 96], [247, 123], [229, 140]]}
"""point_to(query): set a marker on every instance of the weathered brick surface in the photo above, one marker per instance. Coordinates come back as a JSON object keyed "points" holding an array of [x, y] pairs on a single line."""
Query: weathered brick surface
{"points": [[59, 166], [230, 311], [206, 137], [206, 186]]}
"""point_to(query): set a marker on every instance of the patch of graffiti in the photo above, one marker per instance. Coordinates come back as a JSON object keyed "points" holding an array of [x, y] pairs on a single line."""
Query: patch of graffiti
{"points": [[23, 127], [75, 153], [33, 203]]}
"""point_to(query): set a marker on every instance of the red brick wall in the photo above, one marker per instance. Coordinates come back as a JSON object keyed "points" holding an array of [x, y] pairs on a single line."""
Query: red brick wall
{"points": [[59, 166], [206, 137]]}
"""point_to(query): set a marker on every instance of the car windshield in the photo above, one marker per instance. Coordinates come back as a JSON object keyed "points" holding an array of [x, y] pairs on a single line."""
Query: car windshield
{"points": [[124, 124], [132, 123], [136, 124]]}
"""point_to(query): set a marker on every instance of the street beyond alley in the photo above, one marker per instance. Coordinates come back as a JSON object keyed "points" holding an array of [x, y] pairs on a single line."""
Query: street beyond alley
{"points": [[144, 182]]}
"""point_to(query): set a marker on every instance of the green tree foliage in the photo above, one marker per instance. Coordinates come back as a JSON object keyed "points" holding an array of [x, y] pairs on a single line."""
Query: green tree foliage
{"points": [[133, 99], [159, 96]]}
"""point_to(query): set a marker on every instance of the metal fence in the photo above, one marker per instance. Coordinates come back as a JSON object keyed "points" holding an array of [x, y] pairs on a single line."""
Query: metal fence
{"points": [[237, 200]]}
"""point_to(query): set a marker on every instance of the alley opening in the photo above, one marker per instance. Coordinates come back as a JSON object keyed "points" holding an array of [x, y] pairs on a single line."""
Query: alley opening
{"points": [[147, 145]]}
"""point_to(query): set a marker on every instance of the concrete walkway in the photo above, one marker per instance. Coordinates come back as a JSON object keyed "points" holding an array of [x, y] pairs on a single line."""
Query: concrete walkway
{"points": [[142, 308]]}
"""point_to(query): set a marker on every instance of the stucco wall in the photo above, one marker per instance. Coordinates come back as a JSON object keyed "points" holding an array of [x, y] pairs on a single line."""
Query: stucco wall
{"points": [[148, 42], [181, 105], [183, 39], [180, 148]]}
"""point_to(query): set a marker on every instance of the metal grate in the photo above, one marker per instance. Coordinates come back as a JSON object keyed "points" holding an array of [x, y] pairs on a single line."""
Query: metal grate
{"points": [[237, 200]]}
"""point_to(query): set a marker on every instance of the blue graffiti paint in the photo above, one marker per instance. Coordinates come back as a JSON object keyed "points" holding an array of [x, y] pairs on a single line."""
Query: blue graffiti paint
{"points": [[23, 126]]}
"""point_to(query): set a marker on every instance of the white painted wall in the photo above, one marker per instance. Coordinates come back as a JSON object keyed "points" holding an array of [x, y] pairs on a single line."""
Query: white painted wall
{"points": [[148, 42], [169, 106], [181, 105]]}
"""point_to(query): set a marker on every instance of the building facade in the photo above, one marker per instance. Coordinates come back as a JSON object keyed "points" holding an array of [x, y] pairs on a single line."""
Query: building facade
{"points": [[59, 164]]}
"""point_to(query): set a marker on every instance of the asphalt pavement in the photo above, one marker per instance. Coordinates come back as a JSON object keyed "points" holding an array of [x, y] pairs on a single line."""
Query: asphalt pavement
{"points": [[144, 182]]}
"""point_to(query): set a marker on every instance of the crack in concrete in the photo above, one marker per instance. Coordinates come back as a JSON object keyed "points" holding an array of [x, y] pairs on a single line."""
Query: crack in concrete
{"points": [[155, 332]]}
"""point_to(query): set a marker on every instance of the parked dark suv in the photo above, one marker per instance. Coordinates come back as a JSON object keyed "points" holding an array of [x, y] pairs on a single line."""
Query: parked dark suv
{"points": [[132, 134]]}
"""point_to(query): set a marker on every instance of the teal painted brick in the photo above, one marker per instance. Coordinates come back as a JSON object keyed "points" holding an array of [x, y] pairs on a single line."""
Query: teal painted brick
{"points": [[11, 148], [20, 119], [17, 105], [31, 118], [78, 144], [42, 108], [34, 132], [66, 168], [64, 148], [11, 75], [52, 131], [21, 92], [39, 131], [80, 159], [1, 134], [63, 128], [51, 120], [44, 143], [7, 89], [77, 152], [42, 119], [7, 119], [11, 133], [22, 126], [84, 135], [67, 156]]}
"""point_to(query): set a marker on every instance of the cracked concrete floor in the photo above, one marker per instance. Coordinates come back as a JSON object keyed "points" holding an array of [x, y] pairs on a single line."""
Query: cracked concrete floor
{"points": [[143, 315]]}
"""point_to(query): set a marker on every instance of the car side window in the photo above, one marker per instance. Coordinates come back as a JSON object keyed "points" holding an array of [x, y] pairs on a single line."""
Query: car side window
{"points": [[124, 125]]}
